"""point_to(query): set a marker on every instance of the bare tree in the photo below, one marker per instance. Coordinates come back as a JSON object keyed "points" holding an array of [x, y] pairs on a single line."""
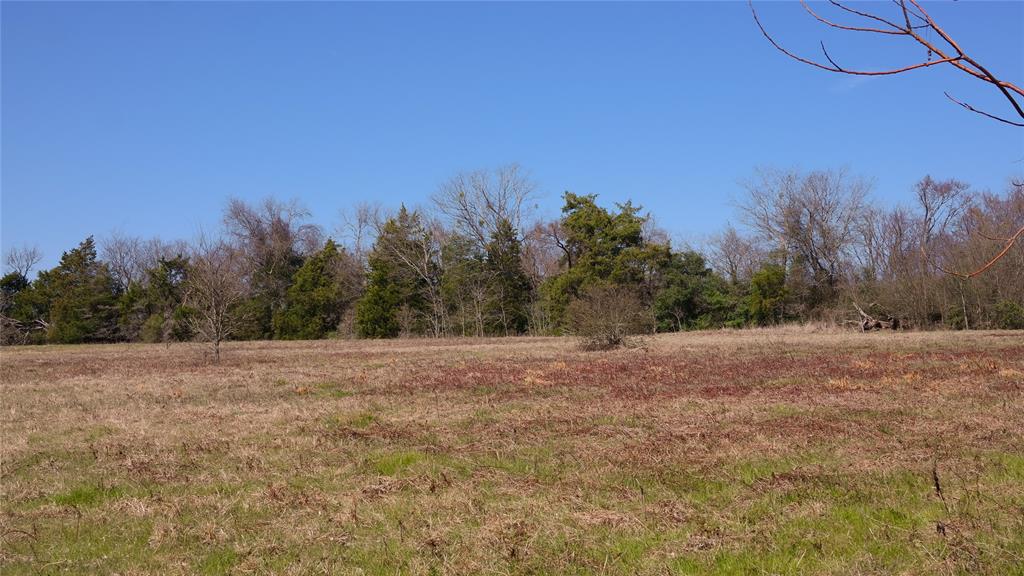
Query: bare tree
{"points": [[910, 20], [477, 201], [893, 280], [946, 203], [422, 257], [811, 216], [905, 19], [543, 250], [609, 316], [124, 255], [941, 202], [910, 258], [980, 238], [213, 290], [950, 202], [153, 250], [653, 233], [273, 238], [359, 226], [271, 232], [733, 255], [22, 260]]}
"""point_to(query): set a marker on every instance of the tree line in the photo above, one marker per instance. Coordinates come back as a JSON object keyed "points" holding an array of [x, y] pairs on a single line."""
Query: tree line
{"points": [[811, 246]]}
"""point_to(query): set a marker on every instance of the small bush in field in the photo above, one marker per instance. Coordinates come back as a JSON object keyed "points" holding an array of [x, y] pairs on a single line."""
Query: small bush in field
{"points": [[1009, 315], [608, 317]]}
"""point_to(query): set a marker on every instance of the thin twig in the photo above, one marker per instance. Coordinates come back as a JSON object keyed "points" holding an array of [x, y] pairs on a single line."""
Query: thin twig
{"points": [[956, 56], [982, 112]]}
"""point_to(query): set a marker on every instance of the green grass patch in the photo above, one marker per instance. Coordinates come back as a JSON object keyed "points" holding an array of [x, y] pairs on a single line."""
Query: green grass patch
{"points": [[333, 390], [539, 462], [86, 495], [394, 463], [357, 420], [218, 561], [86, 545]]}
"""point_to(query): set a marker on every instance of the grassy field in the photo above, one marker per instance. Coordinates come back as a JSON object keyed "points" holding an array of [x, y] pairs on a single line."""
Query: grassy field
{"points": [[760, 452]]}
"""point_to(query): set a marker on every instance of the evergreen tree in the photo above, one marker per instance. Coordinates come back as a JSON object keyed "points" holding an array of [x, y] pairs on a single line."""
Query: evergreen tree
{"points": [[161, 300], [601, 247], [466, 286], [394, 299], [316, 298], [691, 295], [10, 285], [511, 293], [83, 297], [767, 295], [18, 316], [377, 310]]}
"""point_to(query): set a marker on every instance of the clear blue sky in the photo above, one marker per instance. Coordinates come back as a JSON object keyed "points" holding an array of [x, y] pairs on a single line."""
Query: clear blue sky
{"points": [[145, 116]]}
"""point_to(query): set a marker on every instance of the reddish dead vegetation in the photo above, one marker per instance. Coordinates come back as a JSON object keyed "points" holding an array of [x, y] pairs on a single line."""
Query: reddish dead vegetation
{"points": [[484, 445], [634, 376]]}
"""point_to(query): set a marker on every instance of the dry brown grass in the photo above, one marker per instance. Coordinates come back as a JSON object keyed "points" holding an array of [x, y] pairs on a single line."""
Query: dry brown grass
{"points": [[770, 451]]}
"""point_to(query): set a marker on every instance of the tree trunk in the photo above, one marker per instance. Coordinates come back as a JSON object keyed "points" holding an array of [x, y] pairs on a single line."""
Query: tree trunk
{"points": [[963, 303]]}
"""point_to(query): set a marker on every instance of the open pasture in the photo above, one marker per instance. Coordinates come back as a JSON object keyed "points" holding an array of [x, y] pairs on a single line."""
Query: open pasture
{"points": [[734, 452]]}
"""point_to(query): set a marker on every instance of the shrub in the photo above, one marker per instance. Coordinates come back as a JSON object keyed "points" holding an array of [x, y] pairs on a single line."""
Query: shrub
{"points": [[153, 329], [608, 317], [955, 318], [767, 295], [1009, 315]]}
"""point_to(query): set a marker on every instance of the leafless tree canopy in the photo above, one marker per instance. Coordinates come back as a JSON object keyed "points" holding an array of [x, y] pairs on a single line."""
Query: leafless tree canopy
{"points": [[359, 226], [910, 20], [653, 233], [476, 202], [22, 260], [734, 256], [607, 317], [129, 257], [124, 255], [214, 288], [543, 250], [950, 211], [153, 250], [270, 232], [812, 216], [918, 255]]}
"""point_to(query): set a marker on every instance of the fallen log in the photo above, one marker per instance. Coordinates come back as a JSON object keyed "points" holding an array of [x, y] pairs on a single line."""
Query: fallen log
{"points": [[870, 323]]}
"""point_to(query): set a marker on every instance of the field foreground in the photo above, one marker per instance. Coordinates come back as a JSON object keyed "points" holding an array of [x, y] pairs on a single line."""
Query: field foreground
{"points": [[774, 452]]}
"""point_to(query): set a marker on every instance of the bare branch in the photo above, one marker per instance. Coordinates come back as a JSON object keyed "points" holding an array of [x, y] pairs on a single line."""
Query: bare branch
{"points": [[896, 31], [23, 260], [475, 202], [124, 256], [867, 15], [915, 18], [214, 288], [982, 112], [835, 68], [981, 270]]}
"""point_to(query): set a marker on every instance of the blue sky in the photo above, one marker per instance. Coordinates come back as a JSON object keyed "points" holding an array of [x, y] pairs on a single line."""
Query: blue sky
{"points": [[145, 117]]}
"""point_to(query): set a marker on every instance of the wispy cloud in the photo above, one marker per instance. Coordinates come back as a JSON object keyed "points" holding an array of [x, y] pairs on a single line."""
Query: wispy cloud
{"points": [[848, 83]]}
